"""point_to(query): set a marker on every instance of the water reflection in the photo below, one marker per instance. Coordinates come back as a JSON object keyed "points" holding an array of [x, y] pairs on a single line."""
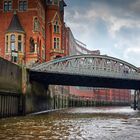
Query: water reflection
{"points": [[75, 124]]}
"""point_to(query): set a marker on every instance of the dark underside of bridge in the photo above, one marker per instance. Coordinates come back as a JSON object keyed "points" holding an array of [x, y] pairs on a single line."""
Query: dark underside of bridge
{"points": [[82, 80]]}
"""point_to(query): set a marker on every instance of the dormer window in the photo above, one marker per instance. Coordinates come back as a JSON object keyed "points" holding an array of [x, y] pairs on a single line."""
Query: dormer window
{"points": [[7, 5]]}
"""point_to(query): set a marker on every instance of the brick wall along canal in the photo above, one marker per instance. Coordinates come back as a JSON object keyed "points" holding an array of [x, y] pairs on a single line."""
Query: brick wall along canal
{"points": [[119, 123]]}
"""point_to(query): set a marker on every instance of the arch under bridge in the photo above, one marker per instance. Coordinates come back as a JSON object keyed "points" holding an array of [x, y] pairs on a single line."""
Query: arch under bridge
{"points": [[88, 70]]}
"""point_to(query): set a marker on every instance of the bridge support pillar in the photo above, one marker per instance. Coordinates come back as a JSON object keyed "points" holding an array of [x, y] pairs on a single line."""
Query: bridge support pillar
{"points": [[135, 104], [138, 99]]}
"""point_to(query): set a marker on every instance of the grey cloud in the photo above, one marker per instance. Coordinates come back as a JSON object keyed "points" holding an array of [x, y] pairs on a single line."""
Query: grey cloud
{"points": [[113, 26]]}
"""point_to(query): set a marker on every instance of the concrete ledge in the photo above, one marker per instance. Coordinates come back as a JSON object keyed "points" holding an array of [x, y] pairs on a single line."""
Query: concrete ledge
{"points": [[46, 111]]}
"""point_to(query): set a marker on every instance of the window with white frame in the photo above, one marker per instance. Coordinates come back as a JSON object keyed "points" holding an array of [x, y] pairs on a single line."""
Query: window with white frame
{"points": [[56, 42], [20, 44], [56, 27], [14, 57], [12, 42]]}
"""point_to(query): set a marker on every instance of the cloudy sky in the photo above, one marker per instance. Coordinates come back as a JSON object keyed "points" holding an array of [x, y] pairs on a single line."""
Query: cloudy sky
{"points": [[112, 26]]}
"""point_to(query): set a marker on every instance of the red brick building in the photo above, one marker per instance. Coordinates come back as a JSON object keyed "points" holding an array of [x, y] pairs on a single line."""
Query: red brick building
{"points": [[32, 30]]}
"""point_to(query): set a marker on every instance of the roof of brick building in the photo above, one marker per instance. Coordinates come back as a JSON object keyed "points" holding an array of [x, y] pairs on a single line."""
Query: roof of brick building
{"points": [[15, 25]]}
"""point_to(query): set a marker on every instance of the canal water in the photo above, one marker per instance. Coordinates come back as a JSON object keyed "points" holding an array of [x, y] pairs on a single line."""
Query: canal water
{"points": [[108, 123]]}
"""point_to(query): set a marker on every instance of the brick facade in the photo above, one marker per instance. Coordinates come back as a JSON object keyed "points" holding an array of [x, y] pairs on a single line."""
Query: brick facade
{"points": [[38, 20]]}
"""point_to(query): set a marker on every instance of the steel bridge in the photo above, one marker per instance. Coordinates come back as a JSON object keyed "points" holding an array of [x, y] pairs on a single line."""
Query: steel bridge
{"points": [[88, 70]]}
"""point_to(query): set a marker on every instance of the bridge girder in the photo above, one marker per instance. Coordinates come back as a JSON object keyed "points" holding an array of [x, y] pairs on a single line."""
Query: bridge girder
{"points": [[90, 65]]}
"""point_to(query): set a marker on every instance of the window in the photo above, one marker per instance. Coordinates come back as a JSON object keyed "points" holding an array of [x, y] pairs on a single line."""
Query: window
{"points": [[12, 42], [14, 52], [49, 1], [56, 2], [12, 37], [36, 24], [14, 57], [56, 43], [7, 5], [6, 43], [55, 46], [20, 48], [43, 32], [56, 27], [22, 5], [19, 37], [43, 52], [35, 47], [32, 45]]}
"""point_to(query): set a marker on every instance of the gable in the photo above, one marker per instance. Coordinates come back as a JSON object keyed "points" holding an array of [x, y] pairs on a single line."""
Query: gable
{"points": [[56, 18]]}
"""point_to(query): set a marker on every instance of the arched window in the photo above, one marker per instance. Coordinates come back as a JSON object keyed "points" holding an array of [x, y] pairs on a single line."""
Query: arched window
{"points": [[32, 45], [12, 42], [36, 24], [13, 37]]}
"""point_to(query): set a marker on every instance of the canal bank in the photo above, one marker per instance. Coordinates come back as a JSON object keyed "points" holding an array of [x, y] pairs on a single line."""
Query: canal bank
{"points": [[20, 96]]}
